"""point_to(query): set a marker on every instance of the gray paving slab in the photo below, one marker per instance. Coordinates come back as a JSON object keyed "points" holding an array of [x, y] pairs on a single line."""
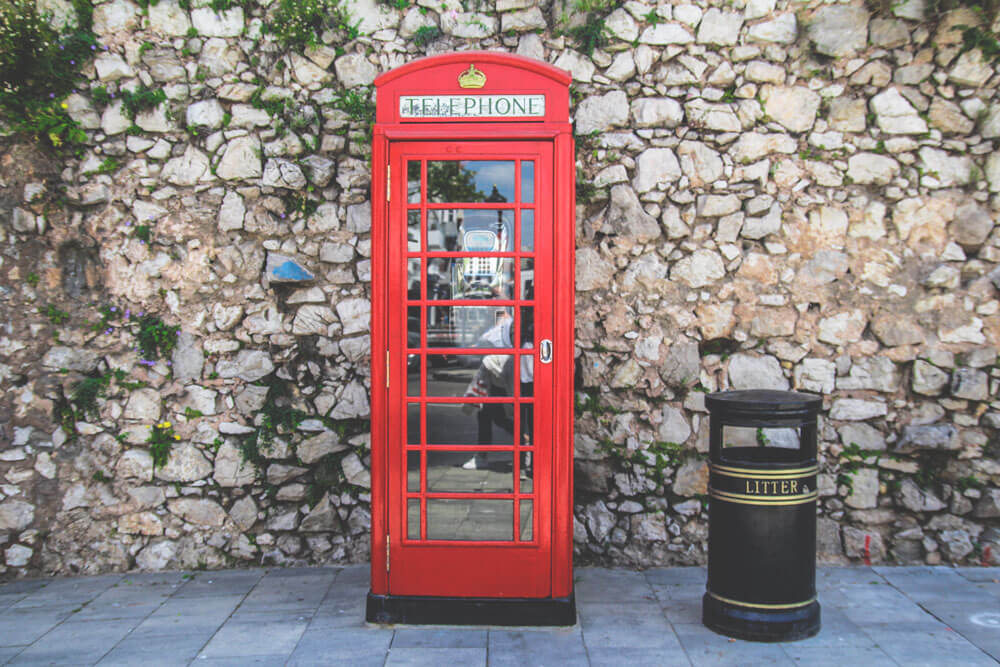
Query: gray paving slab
{"points": [[980, 573], [820, 656], [540, 647], [610, 585], [8, 652], [706, 648], [226, 582], [435, 657], [76, 643], [438, 637], [164, 650], [340, 646], [837, 632], [23, 627], [638, 657], [262, 634], [607, 625]]}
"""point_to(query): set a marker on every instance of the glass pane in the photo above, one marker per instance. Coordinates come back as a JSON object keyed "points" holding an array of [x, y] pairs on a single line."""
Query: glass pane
{"points": [[749, 436], [470, 424], [413, 518], [413, 231], [528, 182], [527, 519], [470, 375], [413, 375], [527, 473], [470, 278], [413, 182], [413, 471], [470, 472], [470, 230], [469, 326], [527, 279], [413, 424], [413, 326], [413, 279], [472, 519], [470, 181], [527, 417], [527, 230], [527, 327]]}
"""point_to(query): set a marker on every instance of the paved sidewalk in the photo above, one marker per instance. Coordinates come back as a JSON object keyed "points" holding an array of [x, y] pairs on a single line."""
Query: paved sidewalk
{"points": [[314, 616]]}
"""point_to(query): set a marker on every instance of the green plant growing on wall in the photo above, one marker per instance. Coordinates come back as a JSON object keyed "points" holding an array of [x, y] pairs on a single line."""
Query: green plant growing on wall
{"points": [[276, 416], [39, 67], [425, 34], [55, 315], [141, 99], [297, 24], [358, 105], [161, 439], [155, 338]]}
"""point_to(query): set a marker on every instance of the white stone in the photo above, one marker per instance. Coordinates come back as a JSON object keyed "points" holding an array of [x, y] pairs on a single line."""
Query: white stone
{"points": [[199, 511], [249, 365], [702, 165], [154, 120], [578, 65], [817, 375], [312, 319], [166, 17], [971, 69], [656, 112], [750, 372], [135, 464], [602, 112], [209, 23], [16, 515], [231, 213], [842, 328], [355, 315], [756, 9], [115, 17], [230, 468], [857, 409], [839, 31], [720, 28], [673, 427], [870, 168], [280, 173], [241, 159], [218, 57], [699, 269], [895, 115], [794, 107], [82, 111], [864, 489], [783, 29], [355, 471], [470, 25], [665, 33], [188, 169], [523, 21], [111, 67], [621, 24], [185, 463], [718, 117], [355, 70], [592, 270], [656, 166], [113, 120], [143, 405], [942, 169]]}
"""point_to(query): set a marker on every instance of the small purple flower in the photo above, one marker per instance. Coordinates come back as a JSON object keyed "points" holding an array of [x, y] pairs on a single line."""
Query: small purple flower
{"points": [[72, 62], [52, 96], [62, 48], [114, 309], [141, 242], [93, 48], [128, 224], [178, 332], [170, 363], [107, 331], [128, 314], [140, 313]]}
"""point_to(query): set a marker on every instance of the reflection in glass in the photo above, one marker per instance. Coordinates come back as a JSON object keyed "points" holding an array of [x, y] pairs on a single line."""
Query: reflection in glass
{"points": [[413, 375], [527, 279], [413, 518], [470, 230], [469, 326], [413, 424], [527, 472], [413, 231], [470, 424], [413, 326], [470, 278], [470, 472], [413, 471], [749, 436], [527, 519], [467, 374], [472, 519], [528, 182], [470, 181], [413, 278], [413, 182], [527, 230]]}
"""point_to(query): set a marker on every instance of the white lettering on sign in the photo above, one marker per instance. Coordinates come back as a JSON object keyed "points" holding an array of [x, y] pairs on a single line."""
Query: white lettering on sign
{"points": [[471, 106]]}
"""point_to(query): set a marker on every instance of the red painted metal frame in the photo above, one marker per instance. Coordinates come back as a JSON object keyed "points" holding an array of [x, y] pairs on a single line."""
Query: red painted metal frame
{"points": [[506, 74]]}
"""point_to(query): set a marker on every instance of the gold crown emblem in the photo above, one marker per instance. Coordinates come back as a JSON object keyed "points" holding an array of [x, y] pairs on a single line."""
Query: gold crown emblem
{"points": [[472, 78]]}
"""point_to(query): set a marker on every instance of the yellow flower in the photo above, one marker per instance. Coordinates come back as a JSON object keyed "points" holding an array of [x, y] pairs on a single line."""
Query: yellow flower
{"points": [[177, 437], [64, 105], [166, 424]]}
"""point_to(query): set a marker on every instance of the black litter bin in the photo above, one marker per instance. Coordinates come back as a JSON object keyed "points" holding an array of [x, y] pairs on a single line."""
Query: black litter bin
{"points": [[762, 516]]}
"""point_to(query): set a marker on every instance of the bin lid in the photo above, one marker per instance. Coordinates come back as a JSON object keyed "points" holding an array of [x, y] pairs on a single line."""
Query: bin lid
{"points": [[763, 402]]}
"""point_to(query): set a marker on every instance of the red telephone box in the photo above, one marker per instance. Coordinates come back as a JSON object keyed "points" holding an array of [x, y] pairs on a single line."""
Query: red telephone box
{"points": [[472, 343]]}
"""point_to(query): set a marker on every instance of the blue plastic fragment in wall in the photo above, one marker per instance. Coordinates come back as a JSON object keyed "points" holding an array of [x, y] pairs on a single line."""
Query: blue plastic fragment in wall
{"points": [[291, 271]]}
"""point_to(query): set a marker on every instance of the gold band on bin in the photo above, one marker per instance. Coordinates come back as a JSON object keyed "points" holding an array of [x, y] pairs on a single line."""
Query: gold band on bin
{"points": [[756, 605], [785, 473], [769, 501]]}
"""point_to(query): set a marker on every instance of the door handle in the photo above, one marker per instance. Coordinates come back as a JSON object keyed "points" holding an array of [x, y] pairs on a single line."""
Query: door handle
{"points": [[545, 351]]}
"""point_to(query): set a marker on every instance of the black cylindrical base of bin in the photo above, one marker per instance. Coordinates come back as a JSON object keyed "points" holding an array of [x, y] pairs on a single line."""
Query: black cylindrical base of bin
{"points": [[760, 625], [762, 519]]}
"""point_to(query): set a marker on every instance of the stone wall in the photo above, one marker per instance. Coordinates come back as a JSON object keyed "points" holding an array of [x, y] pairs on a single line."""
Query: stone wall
{"points": [[773, 193]]}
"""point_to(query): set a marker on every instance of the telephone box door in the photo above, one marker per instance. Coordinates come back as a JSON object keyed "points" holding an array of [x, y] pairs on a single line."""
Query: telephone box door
{"points": [[469, 329]]}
